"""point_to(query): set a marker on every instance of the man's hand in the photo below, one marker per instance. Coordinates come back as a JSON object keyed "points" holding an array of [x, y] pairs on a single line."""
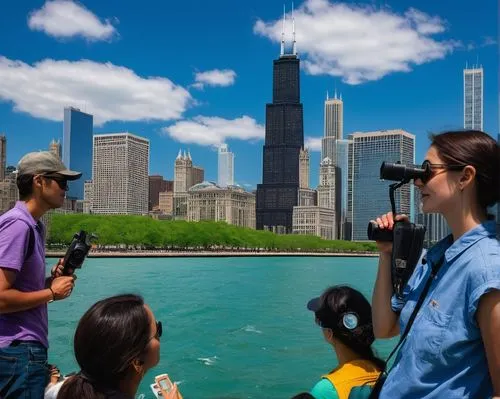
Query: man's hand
{"points": [[62, 287], [58, 269]]}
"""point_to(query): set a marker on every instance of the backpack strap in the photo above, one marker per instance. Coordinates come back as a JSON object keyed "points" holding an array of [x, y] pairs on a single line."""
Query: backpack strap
{"points": [[31, 242]]}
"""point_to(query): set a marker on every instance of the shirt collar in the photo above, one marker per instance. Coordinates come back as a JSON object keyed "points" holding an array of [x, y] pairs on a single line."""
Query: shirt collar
{"points": [[21, 206], [452, 249]]}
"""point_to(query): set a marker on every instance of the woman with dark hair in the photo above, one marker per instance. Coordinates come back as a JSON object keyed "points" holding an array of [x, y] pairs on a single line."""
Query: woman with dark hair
{"points": [[345, 318], [453, 348], [117, 340]]}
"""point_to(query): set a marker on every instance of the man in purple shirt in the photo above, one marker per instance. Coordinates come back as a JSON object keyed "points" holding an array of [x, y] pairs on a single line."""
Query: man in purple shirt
{"points": [[24, 291]]}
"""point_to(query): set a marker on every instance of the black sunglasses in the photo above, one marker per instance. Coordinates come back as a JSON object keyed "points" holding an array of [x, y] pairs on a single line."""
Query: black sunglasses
{"points": [[431, 168], [60, 180], [159, 330]]}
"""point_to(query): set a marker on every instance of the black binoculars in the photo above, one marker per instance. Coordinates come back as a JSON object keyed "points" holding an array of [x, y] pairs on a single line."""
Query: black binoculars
{"points": [[403, 174], [77, 251], [407, 238]]}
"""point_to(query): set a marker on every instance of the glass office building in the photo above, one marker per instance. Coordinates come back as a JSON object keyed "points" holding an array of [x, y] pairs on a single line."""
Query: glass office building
{"points": [[367, 195], [77, 148]]}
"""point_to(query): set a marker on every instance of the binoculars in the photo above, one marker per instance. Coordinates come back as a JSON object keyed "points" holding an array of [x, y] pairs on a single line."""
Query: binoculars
{"points": [[403, 174]]}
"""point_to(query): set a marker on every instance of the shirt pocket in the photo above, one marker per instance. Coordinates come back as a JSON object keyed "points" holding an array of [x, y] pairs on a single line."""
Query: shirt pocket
{"points": [[431, 333]]}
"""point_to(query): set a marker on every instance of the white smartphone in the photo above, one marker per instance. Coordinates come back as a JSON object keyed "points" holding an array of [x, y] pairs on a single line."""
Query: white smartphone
{"points": [[164, 382]]}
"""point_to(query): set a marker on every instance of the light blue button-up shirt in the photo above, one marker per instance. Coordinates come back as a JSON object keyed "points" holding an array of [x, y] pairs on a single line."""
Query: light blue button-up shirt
{"points": [[443, 355]]}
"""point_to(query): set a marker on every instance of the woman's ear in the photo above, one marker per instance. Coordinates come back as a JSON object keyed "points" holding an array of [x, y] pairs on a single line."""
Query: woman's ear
{"points": [[328, 334], [468, 175], [138, 365]]}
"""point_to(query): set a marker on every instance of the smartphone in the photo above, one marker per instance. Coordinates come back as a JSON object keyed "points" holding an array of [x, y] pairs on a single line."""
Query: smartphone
{"points": [[164, 382]]}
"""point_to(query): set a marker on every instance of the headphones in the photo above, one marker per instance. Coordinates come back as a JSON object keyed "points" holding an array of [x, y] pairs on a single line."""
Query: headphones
{"points": [[350, 320]]}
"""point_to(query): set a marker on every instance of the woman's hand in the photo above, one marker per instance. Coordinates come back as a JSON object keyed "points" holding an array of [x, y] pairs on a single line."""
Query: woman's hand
{"points": [[386, 221], [173, 394]]}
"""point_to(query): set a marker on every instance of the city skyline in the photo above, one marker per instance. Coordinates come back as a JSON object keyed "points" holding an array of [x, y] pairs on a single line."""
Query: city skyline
{"points": [[199, 99]]}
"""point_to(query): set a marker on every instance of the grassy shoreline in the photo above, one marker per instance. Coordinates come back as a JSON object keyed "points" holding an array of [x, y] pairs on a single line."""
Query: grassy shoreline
{"points": [[213, 254]]}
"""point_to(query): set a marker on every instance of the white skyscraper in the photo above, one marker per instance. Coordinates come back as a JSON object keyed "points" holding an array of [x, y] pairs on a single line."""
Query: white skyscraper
{"points": [[120, 174], [333, 127], [473, 98], [225, 176]]}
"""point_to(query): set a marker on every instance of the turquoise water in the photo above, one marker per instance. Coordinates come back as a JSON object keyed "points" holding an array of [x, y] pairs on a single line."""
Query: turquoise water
{"points": [[235, 327]]}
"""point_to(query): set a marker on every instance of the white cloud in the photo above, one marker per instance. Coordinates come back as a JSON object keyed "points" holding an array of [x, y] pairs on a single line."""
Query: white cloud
{"points": [[215, 77], [361, 43], [485, 42], [210, 130], [65, 18], [108, 91], [313, 143], [488, 41]]}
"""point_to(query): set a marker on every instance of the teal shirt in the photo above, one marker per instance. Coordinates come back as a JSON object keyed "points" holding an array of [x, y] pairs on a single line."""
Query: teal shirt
{"points": [[324, 389]]}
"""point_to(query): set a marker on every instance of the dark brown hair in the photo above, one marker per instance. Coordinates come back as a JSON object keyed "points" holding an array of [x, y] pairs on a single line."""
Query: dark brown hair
{"points": [[25, 186], [477, 149], [109, 336], [338, 300]]}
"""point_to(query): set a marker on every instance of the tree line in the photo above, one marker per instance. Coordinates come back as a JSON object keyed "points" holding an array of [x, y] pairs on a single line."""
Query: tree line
{"points": [[139, 232]]}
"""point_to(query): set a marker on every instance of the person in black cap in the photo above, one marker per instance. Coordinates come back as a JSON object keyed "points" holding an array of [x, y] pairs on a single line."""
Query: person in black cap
{"points": [[344, 316]]}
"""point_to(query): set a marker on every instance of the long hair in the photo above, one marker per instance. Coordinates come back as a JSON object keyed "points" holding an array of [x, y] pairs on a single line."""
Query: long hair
{"points": [[477, 149], [109, 336], [337, 301]]}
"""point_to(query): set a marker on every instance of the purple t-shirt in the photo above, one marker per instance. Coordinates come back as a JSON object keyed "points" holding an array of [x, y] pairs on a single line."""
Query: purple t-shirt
{"points": [[31, 324]]}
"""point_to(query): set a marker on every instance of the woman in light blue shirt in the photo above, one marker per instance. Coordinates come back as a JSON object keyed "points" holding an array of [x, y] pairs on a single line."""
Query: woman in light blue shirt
{"points": [[453, 348]]}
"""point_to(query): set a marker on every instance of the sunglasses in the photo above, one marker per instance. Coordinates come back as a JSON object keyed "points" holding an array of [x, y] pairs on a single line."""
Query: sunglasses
{"points": [[159, 330], [61, 181], [431, 169]]}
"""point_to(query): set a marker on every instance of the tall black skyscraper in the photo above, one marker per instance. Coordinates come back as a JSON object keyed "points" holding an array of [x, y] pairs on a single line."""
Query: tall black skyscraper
{"points": [[278, 193]]}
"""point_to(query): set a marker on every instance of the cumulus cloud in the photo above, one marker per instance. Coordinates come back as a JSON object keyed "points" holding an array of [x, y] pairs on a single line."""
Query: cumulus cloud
{"points": [[65, 18], [215, 77], [313, 143], [211, 130], [108, 91], [361, 43]]}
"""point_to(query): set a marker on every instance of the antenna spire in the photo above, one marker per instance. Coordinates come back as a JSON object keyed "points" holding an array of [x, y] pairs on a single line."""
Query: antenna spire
{"points": [[283, 34], [294, 45]]}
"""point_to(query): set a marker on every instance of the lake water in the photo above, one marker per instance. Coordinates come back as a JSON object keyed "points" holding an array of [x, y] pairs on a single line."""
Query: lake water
{"points": [[233, 327]]}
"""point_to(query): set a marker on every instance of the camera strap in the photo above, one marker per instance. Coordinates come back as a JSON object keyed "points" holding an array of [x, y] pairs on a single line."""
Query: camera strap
{"points": [[381, 379]]}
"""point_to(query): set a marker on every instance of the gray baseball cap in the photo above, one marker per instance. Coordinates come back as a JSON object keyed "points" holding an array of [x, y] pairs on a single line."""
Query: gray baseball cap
{"points": [[35, 163]]}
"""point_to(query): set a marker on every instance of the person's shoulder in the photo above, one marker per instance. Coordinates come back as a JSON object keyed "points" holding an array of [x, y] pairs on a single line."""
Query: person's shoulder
{"points": [[484, 255], [324, 389], [13, 221]]}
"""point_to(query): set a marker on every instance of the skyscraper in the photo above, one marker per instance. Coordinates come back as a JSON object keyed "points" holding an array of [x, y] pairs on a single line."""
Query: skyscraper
{"points": [[77, 148], [473, 98], [120, 174], [185, 176], [55, 148], [327, 197], [367, 195], [341, 171], [278, 193], [157, 185], [225, 171], [304, 168], [333, 127]]}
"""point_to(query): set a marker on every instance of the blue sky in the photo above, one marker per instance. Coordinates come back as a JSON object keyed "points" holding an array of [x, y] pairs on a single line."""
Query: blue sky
{"points": [[192, 74]]}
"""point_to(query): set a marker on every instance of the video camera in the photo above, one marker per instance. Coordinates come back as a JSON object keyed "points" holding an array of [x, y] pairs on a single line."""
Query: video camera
{"points": [[77, 251], [407, 238]]}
